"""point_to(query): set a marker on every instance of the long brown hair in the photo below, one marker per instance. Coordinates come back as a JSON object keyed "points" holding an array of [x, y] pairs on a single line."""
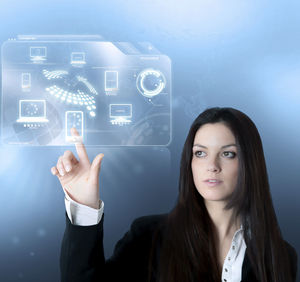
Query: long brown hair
{"points": [[188, 252]]}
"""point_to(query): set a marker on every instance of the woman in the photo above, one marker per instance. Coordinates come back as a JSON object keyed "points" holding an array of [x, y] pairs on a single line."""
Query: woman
{"points": [[222, 228]]}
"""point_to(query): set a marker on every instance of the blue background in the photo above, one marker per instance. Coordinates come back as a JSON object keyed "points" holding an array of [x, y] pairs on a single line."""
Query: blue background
{"points": [[243, 54]]}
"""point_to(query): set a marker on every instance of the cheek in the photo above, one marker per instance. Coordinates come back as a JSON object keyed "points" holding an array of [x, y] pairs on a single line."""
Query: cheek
{"points": [[196, 171], [193, 166], [232, 173]]}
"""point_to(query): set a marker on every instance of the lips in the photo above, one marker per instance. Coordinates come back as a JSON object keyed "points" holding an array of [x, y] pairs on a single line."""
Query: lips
{"points": [[212, 182]]}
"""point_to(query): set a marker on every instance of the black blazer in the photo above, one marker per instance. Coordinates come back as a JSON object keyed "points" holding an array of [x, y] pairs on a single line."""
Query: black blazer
{"points": [[82, 256]]}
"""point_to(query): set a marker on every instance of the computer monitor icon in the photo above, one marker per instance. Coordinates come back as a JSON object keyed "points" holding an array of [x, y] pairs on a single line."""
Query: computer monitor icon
{"points": [[38, 53], [120, 113], [78, 58], [32, 111]]}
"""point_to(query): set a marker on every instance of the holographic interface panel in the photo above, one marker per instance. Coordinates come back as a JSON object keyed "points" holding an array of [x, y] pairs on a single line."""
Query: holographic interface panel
{"points": [[112, 93]]}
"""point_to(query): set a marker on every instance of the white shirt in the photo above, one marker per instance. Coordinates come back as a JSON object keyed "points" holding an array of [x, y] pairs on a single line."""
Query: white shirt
{"points": [[232, 268]]}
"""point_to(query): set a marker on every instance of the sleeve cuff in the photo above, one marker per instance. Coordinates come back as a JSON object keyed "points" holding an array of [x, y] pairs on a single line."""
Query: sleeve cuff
{"points": [[81, 214]]}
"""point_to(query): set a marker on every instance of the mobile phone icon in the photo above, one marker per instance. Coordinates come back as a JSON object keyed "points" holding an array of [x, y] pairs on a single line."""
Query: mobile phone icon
{"points": [[111, 80], [26, 81], [74, 119]]}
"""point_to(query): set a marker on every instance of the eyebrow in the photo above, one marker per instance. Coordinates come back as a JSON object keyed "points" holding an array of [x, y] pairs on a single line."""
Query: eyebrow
{"points": [[225, 146]]}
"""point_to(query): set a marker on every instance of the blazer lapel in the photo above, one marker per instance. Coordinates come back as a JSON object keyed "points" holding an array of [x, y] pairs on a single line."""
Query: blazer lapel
{"points": [[247, 270]]}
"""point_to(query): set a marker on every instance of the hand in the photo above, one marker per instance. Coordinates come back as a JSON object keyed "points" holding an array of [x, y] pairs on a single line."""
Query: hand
{"points": [[80, 179]]}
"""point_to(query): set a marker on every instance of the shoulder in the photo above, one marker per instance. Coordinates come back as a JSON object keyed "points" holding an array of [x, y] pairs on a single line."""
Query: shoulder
{"points": [[291, 251], [292, 254], [148, 223]]}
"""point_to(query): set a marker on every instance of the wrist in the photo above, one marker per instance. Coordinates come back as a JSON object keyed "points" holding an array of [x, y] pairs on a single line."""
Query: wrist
{"points": [[91, 204], [95, 205]]}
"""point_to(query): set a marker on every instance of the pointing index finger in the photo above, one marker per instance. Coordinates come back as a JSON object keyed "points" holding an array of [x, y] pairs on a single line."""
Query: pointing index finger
{"points": [[80, 148]]}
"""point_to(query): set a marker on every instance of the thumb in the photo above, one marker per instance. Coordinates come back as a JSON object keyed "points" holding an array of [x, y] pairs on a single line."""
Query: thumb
{"points": [[95, 168]]}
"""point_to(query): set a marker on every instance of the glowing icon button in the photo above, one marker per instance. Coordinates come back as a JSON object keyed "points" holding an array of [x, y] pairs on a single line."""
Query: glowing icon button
{"points": [[150, 82]]}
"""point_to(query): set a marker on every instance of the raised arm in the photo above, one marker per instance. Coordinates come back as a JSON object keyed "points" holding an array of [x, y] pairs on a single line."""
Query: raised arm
{"points": [[79, 178], [82, 256]]}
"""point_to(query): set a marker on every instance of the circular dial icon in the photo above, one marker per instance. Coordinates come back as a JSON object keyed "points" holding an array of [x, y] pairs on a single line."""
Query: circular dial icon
{"points": [[150, 82]]}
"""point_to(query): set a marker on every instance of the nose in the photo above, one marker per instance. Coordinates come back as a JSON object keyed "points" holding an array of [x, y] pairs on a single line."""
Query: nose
{"points": [[213, 166], [213, 169]]}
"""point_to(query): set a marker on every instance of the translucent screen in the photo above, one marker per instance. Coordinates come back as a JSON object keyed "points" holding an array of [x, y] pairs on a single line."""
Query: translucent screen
{"points": [[110, 97]]}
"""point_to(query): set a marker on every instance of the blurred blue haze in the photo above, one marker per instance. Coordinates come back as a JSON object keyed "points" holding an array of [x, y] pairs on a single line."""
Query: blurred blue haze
{"points": [[243, 54]]}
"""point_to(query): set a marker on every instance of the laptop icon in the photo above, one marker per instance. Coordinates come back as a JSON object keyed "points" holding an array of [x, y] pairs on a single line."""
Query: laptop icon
{"points": [[32, 111]]}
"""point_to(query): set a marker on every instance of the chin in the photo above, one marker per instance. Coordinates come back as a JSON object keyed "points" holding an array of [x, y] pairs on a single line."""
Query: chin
{"points": [[214, 200], [213, 196]]}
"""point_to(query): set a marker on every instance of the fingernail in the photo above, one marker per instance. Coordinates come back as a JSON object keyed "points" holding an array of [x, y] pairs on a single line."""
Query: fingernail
{"points": [[68, 168], [61, 173]]}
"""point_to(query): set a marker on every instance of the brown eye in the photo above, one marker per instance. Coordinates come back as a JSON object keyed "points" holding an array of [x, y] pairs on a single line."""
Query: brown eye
{"points": [[229, 154]]}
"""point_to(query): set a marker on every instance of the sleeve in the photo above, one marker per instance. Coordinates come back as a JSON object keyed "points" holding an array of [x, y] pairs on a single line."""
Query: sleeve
{"points": [[81, 214], [82, 255]]}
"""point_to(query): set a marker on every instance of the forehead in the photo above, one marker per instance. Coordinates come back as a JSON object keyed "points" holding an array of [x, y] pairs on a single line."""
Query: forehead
{"points": [[214, 134]]}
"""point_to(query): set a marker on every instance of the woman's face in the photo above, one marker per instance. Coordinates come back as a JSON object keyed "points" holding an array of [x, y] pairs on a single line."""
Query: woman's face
{"points": [[215, 162]]}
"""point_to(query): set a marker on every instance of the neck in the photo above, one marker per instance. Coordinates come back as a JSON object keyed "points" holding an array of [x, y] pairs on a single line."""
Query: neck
{"points": [[223, 220]]}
